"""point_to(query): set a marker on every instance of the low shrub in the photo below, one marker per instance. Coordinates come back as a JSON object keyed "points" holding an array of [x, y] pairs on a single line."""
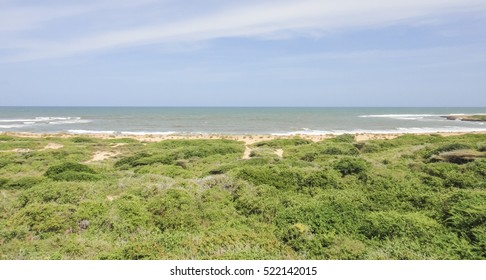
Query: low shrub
{"points": [[3, 182], [45, 219], [186, 149], [260, 201], [446, 148], [482, 147], [478, 236], [22, 183], [128, 215], [281, 178], [323, 179], [323, 216], [465, 211], [342, 149], [452, 175], [344, 138], [174, 209], [58, 192], [80, 139], [391, 224], [94, 216], [310, 157], [279, 143], [350, 166], [300, 238], [478, 167], [72, 171], [131, 161], [3, 163], [166, 170], [4, 137]]}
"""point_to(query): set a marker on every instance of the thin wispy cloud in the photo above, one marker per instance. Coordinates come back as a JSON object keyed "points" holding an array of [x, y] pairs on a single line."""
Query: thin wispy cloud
{"points": [[249, 19]]}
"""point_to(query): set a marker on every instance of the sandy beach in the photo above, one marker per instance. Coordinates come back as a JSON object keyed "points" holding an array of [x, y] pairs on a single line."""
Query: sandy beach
{"points": [[247, 139]]}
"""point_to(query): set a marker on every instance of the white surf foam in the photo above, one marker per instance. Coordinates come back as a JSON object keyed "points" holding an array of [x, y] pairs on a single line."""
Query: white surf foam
{"points": [[82, 131], [148, 132], [385, 131], [45, 121], [12, 125], [401, 116]]}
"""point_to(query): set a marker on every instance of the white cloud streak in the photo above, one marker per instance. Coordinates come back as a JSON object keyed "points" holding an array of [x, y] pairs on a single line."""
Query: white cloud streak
{"points": [[266, 18]]}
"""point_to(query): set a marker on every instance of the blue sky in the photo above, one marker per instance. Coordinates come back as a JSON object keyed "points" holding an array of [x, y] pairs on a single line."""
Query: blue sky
{"points": [[243, 53]]}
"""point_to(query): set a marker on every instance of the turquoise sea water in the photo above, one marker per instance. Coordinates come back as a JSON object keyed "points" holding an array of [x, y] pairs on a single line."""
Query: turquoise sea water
{"points": [[234, 120]]}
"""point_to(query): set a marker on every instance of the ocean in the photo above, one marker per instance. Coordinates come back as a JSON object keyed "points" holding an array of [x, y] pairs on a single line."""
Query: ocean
{"points": [[234, 120]]}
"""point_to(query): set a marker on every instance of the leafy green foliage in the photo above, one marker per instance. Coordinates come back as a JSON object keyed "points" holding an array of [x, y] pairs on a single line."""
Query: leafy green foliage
{"points": [[403, 198], [72, 171], [388, 225], [22, 183], [279, 143], [44, 219], [446, 148], [350, 166], [81, 139], [175, 209], [3, 182], [3, 163]]}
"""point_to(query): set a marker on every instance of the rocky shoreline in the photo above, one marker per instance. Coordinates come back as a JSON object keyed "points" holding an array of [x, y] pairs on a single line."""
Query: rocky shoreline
{"points": [[468, 118]]}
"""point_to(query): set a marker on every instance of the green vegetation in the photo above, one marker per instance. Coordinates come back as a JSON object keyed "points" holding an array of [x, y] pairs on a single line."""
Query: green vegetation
{"points": [[413, 197]]}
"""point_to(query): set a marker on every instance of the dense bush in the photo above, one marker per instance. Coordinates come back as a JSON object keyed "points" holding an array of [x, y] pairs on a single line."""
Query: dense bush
{"points": [[466, 211], [45, 219], [478, 167], [341, 149], [174, 152], [128, 215], [4, 137], [453, 175], [175, 209], [279, 143], [349, 166], [22, 183], [72, 171], [344, 138], [59, 192], [80, 139], [132, 161], [184, 149], [325, 178], [3, 182], [446, 148], [389, 225], [3, 163], [261, 201], [279, 177]]}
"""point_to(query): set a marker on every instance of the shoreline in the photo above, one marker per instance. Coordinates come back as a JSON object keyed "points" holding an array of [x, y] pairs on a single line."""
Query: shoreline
{"points": [[248, 139]]}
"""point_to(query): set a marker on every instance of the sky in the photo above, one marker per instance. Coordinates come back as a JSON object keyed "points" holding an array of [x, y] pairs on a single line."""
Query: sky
{"points": [[243, 53]]}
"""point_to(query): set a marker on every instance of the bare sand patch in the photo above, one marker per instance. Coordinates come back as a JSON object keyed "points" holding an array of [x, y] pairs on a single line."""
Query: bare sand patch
{"points": [[369, 136], [246, 153], [21, 150], [111, 197], [102, 155], [52, 146], [118, 145]]}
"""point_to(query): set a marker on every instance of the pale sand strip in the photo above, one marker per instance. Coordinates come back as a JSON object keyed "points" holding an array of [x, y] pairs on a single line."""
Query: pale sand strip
{"points": [[100, 156], [52, 146], [247, 139], [246, 153]]}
